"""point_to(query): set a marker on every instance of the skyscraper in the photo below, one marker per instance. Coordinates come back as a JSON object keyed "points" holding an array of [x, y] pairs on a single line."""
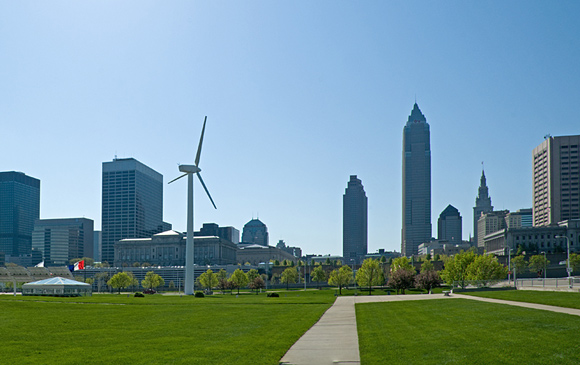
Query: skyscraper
{"points": [[416, 183], [482, 204], [255, 232], [60, 240], [449, 225], [132, 203], [19, 208], [354, 222], [556, 178]]}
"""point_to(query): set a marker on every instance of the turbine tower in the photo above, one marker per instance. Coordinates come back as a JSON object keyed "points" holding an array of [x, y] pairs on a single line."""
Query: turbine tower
{"points": [[191, 170]]}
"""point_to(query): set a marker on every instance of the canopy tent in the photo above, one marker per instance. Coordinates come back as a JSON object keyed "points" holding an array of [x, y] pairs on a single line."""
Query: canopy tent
{"points": [[57, 287]]}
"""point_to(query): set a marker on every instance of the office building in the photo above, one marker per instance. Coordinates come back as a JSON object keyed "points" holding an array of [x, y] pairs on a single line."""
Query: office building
{"points": [[227, 233], [132, 203], [482, 204], [416, 183], [97, 245], [489, 223], [354, 222], [19, 208], [255, 232], [521, 219], [60, 240], [449, 225], [556, 180]]}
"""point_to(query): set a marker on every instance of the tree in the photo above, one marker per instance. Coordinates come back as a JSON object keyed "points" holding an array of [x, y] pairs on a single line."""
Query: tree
{"points": [[401, 263], [456, 267], [152, 280], [427, 266], [120, 280], [427, 279], [519, 263], [252, 275], [327, 262], [521, 249], [485, 269], [290, 275], [575, 261], [223, 284], [340, 277], [134, 282], [136, 264], [276, 263], [538, 263], [208, 279], [383, 259], [318, 275], [437, 257], [102, 278], [428, 257], [258, 283], [369, 274], [145, 264], [402, 279], [171, 285], [239, 279]]}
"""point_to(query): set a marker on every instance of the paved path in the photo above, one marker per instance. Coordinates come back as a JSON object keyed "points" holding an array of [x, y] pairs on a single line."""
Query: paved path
{"points": [[334, 338]]}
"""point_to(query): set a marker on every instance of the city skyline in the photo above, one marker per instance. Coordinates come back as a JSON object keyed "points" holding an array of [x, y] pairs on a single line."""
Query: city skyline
{"points": [[300, 95]]}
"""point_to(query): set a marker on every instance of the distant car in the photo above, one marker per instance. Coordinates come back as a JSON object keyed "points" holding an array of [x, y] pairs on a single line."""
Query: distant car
{"points": [[149, 291]]}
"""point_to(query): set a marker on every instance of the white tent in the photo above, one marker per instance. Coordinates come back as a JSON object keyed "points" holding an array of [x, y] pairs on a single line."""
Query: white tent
{"points": [[57, 287]]}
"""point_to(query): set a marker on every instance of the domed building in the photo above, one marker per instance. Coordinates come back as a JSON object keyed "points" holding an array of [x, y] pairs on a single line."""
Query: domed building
{"points": [[255, 232]]}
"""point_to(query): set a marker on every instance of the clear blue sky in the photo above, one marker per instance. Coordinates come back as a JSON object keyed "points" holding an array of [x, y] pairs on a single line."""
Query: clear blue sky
{"points": [[299, 95]]}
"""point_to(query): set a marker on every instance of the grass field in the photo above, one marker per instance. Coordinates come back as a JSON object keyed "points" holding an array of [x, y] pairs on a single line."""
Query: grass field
{"points": [[463, 331], [116, 329], [559, 299]]}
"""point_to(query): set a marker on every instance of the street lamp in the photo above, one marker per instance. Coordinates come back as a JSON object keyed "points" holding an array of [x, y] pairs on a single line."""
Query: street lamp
{"points": [[567, 261]]}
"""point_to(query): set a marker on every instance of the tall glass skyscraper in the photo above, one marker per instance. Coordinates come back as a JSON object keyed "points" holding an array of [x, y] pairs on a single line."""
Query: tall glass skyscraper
{"points": [[132, 203], [416, 183], [19, 208], [354, 222]]}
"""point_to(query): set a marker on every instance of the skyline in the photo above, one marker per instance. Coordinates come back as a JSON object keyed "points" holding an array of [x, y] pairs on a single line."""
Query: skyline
{"points": [[298, 98]]}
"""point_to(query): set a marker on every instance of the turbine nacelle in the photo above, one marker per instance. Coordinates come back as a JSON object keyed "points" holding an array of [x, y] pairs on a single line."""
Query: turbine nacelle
{"points": [[189, 169]]}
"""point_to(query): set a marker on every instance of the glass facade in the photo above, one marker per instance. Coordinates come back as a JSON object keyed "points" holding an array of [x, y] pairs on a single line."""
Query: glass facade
{"points": [[19, 208], [132, 203]]}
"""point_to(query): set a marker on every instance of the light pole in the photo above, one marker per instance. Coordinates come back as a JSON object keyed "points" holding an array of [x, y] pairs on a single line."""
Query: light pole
{"points": [[545, 267], [567, 261]]}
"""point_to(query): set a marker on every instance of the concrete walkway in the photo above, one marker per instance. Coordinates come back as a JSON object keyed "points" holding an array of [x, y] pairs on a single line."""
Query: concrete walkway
{"points": [[334, 338]]}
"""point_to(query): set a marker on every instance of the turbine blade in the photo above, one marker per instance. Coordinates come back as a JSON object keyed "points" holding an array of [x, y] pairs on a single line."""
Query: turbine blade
{"points": [[177, 178], [200, 143], [207, 191]]}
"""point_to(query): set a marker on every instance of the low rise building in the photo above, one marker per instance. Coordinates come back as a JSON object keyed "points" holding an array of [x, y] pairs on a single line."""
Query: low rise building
{"points": [[255, 254], [549, 239], [168, 249]]}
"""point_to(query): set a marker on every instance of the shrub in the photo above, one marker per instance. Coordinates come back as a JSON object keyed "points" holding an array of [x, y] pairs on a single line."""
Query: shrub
{"points": [[273, 295], [199, 294], [139, 294]]}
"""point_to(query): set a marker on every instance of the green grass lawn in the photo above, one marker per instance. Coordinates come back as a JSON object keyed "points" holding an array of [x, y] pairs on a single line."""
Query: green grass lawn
{"points": [[107, 329], [463, 331], [559, 299]]}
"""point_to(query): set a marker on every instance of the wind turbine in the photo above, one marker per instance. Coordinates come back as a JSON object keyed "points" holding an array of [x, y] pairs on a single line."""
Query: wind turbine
{"points": [[191, 170]]}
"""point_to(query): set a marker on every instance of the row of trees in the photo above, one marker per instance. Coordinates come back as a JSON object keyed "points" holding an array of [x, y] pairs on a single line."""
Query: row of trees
{"points": [[122, 280], [238, 279]]}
